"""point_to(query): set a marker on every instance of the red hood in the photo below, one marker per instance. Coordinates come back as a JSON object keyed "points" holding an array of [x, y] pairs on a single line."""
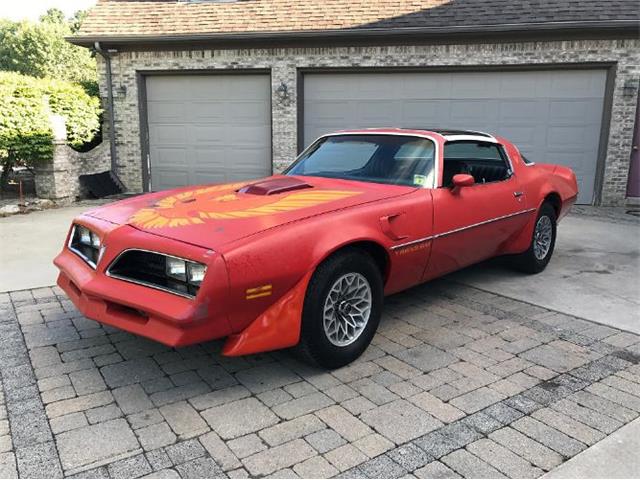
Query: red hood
{"points": [[210, 216]]}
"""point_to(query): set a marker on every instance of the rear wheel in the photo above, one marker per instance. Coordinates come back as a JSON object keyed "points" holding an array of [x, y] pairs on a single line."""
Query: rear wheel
{"points": [[342, 309], [543, 241]]}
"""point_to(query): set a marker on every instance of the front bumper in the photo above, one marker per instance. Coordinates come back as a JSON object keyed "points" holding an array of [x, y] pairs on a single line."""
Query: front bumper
{"points": [[155, 314]]}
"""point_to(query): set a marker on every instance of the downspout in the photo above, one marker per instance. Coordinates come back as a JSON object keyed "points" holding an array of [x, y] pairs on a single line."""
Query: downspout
{"points": [[112, 127]]}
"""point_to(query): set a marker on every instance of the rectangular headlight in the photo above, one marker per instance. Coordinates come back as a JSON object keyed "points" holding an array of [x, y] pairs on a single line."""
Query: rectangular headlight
{"points": [[195, 273], [84, 235], [176, 268], [158, 270], [95, 240], [86, 244]]}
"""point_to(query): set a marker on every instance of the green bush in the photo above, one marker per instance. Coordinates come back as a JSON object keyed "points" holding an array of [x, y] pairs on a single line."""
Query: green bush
{"points": [[80, 111], [25, 130], [25, 127]]}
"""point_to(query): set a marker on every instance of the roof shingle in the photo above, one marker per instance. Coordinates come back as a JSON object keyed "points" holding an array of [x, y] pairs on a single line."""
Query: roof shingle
{"points": [[113, 18]]}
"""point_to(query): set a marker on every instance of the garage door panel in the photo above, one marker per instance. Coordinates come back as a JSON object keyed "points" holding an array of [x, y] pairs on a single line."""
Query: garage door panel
{"points": [[251, 113], [424, 113], [377, 112], [252, 136], [164, 89], [208, 176], [523, 112], [328, 112], [571, 138], [476, 111], [575, 112], [201, 87], [167, 157], [201, 126], [576, 84], [208, 158], [169, 134], [171, 178], [167, 112], [248, 87], [208, 134], [335, 89], [551, 115], [516, 83], [474, 85], [245, 158], [415, 86], [209, 112]]}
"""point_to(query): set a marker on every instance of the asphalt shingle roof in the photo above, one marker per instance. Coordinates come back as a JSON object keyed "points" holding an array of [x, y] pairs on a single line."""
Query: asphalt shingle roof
{"points": [[112, 18]]}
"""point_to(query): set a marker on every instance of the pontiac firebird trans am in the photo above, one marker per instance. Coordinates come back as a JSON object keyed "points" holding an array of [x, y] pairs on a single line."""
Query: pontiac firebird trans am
{"points": [[305, 258]]}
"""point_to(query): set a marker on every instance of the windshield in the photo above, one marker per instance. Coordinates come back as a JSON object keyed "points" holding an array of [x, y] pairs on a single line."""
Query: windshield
{"points": [[393, 159]]}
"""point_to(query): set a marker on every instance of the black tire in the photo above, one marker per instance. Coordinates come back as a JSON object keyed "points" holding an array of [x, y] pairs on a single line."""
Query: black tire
{"points": [[315, 346], [529, 262]]}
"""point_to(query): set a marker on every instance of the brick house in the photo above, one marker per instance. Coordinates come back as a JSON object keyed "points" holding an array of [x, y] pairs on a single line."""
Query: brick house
{"points": [[217, 90]]}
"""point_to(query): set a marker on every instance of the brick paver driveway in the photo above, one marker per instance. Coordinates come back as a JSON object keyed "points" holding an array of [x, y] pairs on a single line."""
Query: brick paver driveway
{"points": [[457, 382]]}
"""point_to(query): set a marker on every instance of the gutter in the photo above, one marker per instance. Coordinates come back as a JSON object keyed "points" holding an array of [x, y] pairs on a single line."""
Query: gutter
{"points": [[611, 27], [112, 127]]}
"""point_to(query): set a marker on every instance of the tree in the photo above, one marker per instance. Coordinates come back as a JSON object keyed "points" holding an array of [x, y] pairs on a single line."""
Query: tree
{"points": [[53, 15], [77, 19], [40, 50]]}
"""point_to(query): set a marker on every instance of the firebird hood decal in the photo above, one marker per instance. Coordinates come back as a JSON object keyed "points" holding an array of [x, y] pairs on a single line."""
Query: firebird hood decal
{"points": [[222, 202], [213, 215]]}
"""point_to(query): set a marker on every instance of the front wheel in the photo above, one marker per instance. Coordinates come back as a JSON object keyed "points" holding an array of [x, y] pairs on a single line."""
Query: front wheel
{"points": [[543, 241], [341, 310]]}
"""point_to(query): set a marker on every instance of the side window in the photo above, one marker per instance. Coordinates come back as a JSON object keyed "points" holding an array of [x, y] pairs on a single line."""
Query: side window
{"points": [[485, 161]]}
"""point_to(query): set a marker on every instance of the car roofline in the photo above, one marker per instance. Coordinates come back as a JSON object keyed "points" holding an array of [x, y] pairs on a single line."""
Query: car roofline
{"points": [[446, 134]]}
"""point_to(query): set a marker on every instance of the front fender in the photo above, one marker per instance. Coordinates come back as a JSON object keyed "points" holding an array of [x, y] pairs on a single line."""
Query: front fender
{"points": [[269, 274]]}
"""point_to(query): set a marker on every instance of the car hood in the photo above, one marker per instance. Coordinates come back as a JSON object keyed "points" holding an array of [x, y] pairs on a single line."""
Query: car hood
{"points": [[211, 216]]}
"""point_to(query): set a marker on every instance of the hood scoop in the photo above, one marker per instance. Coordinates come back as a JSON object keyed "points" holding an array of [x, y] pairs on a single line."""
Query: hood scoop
{"points": [[273, 186]]}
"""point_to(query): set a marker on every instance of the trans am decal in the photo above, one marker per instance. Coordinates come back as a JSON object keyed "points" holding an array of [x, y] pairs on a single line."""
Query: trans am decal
{"points": [[223, 202]]}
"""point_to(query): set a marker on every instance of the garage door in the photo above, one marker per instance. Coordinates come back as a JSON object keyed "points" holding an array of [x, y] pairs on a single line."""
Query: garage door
{"points": [[208, 128], [552, 116]]}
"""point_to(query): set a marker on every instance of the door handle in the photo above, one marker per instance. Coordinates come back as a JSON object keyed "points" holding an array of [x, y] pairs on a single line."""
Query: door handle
{"points": [[518, 194]]}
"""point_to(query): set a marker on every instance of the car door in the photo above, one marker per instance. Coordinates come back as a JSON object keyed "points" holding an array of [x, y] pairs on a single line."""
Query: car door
{"points": [[471, 223]]}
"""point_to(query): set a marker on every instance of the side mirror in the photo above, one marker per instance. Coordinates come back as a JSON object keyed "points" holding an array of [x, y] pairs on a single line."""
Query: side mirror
{"points": [[462, 180]]}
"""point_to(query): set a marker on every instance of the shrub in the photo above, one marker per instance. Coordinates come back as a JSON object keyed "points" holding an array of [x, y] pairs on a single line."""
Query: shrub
{"points": [[25, 129], [81, 111]]}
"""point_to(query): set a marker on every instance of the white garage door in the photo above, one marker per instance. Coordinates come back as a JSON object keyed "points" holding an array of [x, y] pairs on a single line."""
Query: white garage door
{"points": [[208, 128], [553, 116]]}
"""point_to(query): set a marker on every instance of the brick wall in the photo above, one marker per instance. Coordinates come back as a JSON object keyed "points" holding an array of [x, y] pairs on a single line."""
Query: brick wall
{"points": [[284, 62]]}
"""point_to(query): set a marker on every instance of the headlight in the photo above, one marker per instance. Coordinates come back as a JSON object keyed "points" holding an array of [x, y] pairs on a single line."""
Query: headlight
{"points": [[195, 272], [86, 244], [176, 268], [158, 270], [84, 235], [95, 240]]}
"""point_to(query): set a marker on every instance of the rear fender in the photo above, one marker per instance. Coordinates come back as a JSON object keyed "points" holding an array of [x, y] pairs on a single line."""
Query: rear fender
{"points": [[561, 184]]}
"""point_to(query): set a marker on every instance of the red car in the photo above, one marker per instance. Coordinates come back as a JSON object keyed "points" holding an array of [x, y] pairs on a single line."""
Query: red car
{"points": [[305, 258]]}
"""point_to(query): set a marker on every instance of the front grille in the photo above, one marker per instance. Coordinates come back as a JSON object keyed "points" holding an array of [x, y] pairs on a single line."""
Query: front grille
{"points": [[150, 269], [85, 243]]}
